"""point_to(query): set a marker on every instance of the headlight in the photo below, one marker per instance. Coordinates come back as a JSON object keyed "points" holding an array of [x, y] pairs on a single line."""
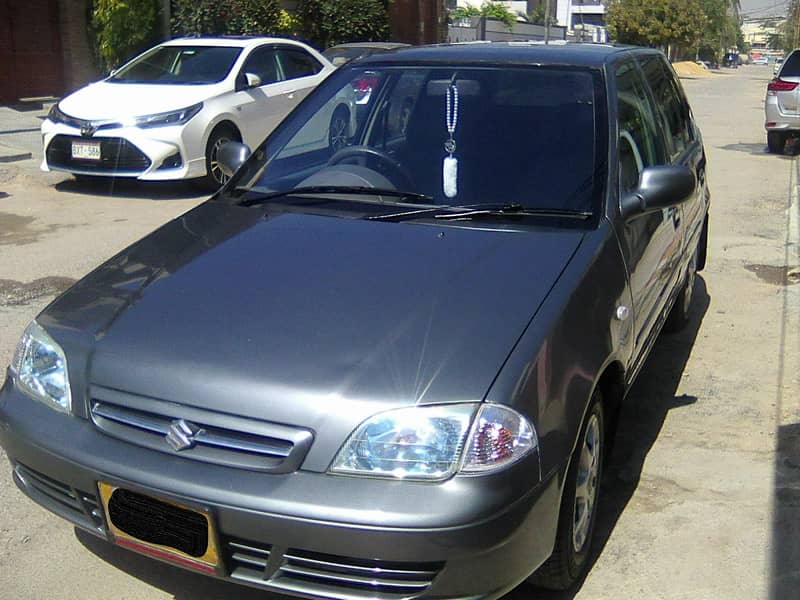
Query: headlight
{"points": [[173, 117], [433, 442], [40, 368], [57, 116]]}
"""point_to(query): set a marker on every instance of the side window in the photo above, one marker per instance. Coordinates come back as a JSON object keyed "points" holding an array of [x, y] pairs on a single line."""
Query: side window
{"points": [[670, 107], [639, 144], [261, 62], [296, 62]]}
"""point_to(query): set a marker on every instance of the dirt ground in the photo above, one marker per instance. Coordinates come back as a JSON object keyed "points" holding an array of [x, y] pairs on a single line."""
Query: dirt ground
{"points": [[701, 499]]}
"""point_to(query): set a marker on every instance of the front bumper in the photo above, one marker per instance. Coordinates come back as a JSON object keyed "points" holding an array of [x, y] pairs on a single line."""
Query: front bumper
{"points": [[157, 154], [306, 534]]}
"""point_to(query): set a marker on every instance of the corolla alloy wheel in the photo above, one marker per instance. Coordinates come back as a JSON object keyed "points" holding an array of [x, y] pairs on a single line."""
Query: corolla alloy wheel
{"points": [[337, 132], [586, 485]]}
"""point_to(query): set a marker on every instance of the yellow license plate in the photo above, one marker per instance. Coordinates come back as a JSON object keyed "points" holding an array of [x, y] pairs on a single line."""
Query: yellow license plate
{"points": [[161, 528]]}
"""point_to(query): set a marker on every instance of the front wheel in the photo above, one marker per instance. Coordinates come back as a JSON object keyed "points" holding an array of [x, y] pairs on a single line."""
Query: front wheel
{"points": [[775, 141], [578, 510], [215, 178], [678, 317]]}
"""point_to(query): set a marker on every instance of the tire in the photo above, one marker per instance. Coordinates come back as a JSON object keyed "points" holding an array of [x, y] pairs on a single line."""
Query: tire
{"points": [[679, 315], [338, 129], [702, 247], [578, 511], [775, 142], [215, 178]]}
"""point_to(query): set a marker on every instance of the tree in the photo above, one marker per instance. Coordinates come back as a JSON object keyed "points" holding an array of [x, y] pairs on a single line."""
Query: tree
{"points": [[122, 28], [492, 10], [330, 22], [537, 17], [668, 24]]}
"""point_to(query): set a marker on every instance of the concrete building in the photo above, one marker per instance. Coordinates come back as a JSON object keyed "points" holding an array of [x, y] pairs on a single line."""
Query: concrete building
{"points": [[758, 31]]}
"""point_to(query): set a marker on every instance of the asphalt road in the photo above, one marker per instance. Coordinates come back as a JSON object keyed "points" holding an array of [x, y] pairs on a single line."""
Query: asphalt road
{"points": [[701, 499]]}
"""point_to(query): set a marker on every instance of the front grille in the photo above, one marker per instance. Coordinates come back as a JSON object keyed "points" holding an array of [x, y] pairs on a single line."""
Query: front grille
{"points": [[82, 508], [118, 155], [304, 572], [360, 576], [199, 434]]}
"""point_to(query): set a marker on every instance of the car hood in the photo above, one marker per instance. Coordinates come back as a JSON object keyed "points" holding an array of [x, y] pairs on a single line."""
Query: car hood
{"points": [[305, 319], [103, 100]]}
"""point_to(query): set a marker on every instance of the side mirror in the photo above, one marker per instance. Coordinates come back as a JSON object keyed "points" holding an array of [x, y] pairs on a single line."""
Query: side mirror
{"points": [[252, 79], [659, 188], [231, 156]]}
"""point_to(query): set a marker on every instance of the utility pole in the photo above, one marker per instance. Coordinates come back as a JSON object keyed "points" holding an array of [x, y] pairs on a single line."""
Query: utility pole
{"points": [[546, 22]]}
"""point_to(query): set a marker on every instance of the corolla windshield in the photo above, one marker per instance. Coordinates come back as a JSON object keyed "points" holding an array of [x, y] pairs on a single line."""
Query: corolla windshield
{"points": [[533, 137], [187, 65]]}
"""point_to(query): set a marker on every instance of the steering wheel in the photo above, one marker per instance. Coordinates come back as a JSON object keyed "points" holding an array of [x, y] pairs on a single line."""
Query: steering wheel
{"points": [[367, 152]]}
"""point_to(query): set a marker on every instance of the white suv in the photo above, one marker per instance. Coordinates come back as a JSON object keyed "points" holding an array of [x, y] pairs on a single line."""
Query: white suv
{"points": [[164, 114], [782, 103]]}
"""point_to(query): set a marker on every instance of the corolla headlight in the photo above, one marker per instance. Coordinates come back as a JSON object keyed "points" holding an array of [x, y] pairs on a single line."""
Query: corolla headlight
{"points": [[165, 119], [433, 442], [40, 368], [57, 116]]}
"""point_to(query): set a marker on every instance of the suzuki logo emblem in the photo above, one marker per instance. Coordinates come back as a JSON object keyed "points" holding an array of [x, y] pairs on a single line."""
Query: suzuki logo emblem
{"points": [[181, 435]]}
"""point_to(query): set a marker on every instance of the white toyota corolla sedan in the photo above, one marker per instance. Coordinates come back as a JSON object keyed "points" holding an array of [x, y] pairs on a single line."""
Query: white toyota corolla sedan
{"points": [[164, 114]]}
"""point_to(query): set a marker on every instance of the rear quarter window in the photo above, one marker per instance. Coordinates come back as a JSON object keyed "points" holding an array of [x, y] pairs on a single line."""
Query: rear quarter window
{"points": [[791, 68]]}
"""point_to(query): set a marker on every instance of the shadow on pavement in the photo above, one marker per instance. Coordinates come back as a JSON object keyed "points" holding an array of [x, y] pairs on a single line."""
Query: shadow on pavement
{"points": [[132, 188], [642, 416], [785, 563]]}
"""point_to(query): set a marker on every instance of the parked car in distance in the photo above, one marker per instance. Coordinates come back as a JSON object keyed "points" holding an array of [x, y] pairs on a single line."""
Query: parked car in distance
{"points": [[782, 104], [374, 371], [343, 53], [777, 66], [164, 114], [760, 60]]}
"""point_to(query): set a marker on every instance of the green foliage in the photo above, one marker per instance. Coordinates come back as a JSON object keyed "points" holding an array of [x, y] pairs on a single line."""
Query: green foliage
{"points": [[330, 22], [122, 28], [663, 23], [492, 10], [537, 17], [232, 17]]}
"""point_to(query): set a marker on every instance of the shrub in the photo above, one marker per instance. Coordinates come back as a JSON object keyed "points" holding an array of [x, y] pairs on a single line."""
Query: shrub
{"points": [[329, 22], [122, 28], [233, 17]]}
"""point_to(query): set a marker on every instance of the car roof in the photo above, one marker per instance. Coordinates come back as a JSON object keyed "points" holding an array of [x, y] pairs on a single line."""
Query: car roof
{"points": [[227, 41], [386, 45], [589, 55]]}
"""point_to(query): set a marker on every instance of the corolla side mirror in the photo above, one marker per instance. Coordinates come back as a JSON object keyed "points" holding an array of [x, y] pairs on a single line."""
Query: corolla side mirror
{"points": [[231, 156], [252, 79], [659, 188]]}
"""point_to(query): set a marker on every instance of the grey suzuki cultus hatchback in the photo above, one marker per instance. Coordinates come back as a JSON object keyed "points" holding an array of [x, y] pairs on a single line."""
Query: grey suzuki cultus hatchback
{"points": [[388, 365]]}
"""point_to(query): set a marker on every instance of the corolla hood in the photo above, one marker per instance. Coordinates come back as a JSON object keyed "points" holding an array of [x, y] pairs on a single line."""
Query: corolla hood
{"points": [[295, 317], [104, 100]]}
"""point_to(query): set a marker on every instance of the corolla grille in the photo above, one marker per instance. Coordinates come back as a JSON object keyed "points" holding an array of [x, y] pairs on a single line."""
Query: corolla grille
{"points": [[345, 578], [199, 434], [117, 155], [74, 505]]}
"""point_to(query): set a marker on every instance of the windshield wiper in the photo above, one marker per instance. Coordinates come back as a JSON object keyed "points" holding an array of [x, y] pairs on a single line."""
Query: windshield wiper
{"points": [[510, 210], [402, 197]]}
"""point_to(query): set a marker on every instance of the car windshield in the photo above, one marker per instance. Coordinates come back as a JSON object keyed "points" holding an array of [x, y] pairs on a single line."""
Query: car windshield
{"points": [[529, 136], [187, 65]]}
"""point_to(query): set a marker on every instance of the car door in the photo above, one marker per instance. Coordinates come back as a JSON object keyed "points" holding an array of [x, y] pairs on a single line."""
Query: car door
{"points": [[301, 71], [682, 143], [259, 107], [651, 242]]}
